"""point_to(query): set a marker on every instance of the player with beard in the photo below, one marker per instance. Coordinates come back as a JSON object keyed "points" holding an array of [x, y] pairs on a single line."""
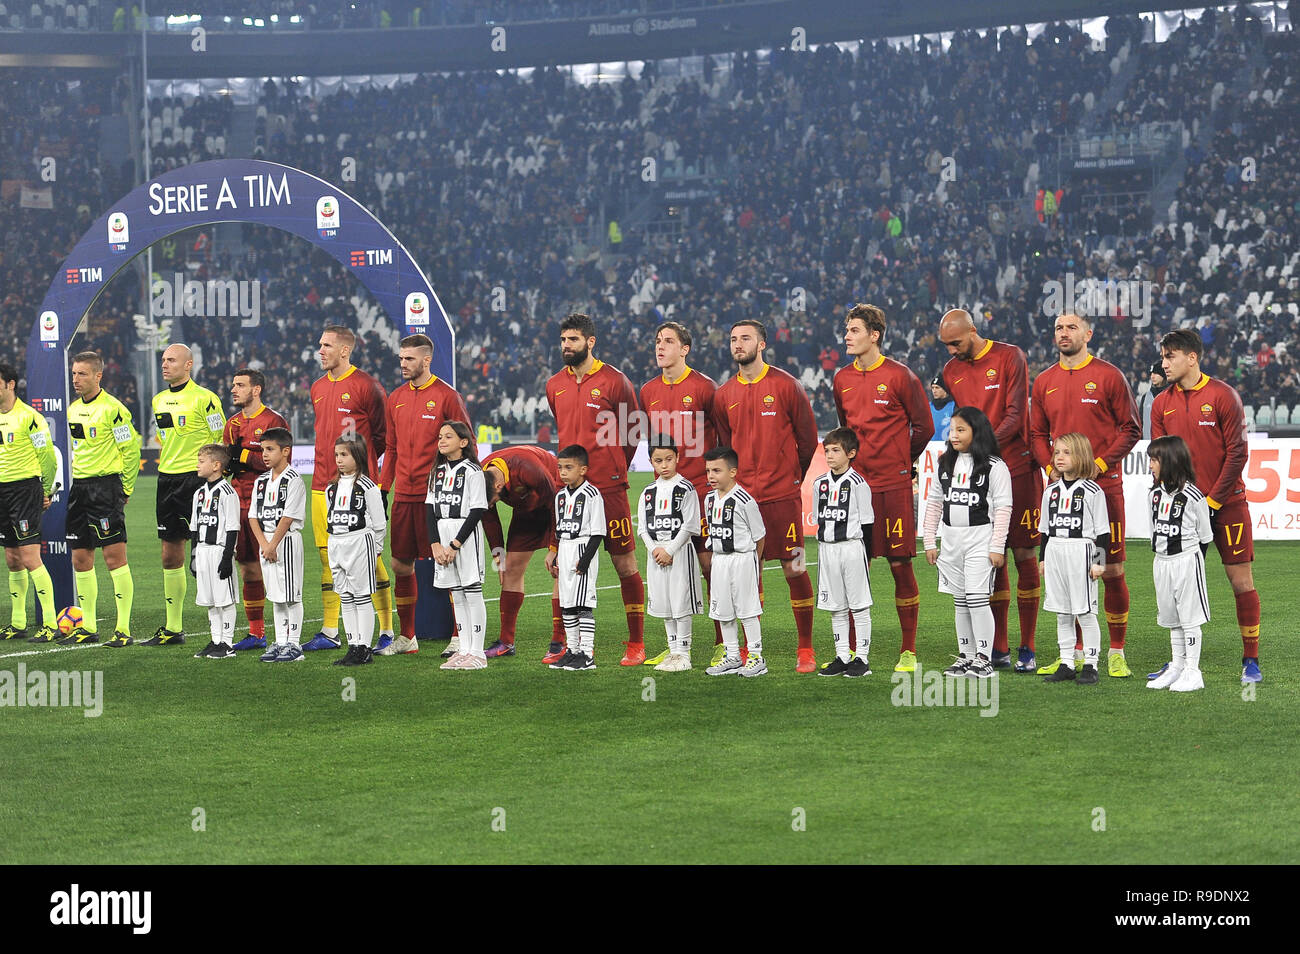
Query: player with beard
{"points": [[765, 415], [594, 406], [994, 377], [1083, 394]]}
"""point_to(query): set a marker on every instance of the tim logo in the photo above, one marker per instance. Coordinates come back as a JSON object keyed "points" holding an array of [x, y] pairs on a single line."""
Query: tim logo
{"points": [[119, 232], [46, 404], [417, 308], [82, 276], [78, 907], [327, 216], [371, 256]]}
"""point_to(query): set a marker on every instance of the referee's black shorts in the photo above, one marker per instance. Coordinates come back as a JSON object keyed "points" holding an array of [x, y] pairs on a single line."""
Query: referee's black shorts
{"points": [[96, 512], [21, 504], [175, 504]]}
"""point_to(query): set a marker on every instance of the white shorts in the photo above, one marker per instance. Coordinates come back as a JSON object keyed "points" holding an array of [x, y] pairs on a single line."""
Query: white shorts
{"points": [[352, 562], [576, 589], [964, 565], [1181, 596], [468, 568], [674, 591], [283, 578], [1067, 587], [842, 579], [211, 590], [733, 587]]}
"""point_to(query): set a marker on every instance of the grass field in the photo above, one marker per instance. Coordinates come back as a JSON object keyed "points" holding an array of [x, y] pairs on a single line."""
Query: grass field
{"points": [[427, 766]]}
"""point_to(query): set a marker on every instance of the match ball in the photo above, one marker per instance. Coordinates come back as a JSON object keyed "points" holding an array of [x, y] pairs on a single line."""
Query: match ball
{"points": [[69, 619]]}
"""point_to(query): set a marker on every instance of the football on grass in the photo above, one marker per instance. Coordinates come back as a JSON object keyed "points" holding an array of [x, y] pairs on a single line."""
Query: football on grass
{"points": [[69, 619]]}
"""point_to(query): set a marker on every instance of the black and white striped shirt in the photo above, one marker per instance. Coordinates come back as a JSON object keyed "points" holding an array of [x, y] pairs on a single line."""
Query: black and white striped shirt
{"points": [[1180, 520], [353, 504], [1074, 509], [971, 493], [735, 522], [277, 497], [215, 512], [843, 506], [579, 513]]}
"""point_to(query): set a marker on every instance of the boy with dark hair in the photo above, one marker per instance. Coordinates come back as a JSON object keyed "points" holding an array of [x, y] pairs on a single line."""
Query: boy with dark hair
{"points": [[579, 530]]}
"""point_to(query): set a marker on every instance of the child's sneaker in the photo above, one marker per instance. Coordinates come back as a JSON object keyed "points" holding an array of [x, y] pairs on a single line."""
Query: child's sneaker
{"points": [[1089, 677], [1062, 673], [754, 666], [292, 652], [564, 660], [959, 667], [729, 665], [857, 666], [981, 668], [580, 662], [1189, 681], [275, 650], [1167, 676], [835, 667], [221, 651], [676, 662], [1159, 672]]}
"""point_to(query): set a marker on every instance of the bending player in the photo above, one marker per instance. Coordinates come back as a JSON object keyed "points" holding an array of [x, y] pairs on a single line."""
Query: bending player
{"points": [[526, 479]]}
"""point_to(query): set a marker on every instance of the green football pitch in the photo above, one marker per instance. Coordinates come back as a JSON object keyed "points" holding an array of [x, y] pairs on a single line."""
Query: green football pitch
{"points": [[195, 761]]}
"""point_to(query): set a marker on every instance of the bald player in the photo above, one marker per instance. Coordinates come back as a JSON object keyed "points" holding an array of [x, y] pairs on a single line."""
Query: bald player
{"points": [[346, 402], [1207, 414], [1083, 394], [994, 377], [187, 417]]}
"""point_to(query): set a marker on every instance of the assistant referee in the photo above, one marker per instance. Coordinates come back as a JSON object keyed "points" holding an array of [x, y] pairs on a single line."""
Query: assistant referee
{"points": [[187, 417], [105, 463]]}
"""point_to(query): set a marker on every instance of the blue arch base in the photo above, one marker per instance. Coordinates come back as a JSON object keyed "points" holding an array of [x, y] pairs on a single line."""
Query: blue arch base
{"points": [[207, 193]]}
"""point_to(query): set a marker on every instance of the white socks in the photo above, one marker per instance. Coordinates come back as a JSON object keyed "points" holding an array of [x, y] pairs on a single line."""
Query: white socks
{"points": [[1065, 638], [678, 632], [580, 630], [840, 630], [221, 621], [358, 618], [288, 622], [965, 634], [471, 620], [731, 637], [753, 636], [981, 623]]}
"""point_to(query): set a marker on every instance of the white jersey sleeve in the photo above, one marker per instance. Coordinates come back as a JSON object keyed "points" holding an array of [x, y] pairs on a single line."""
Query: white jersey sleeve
{"points": [[1097, 520], [194, 510], [229, 511], [690, 521], [295, 504], [593, 516], [862, 491], [999, 486], [1201, 511], [475, 490], [753, 518]]}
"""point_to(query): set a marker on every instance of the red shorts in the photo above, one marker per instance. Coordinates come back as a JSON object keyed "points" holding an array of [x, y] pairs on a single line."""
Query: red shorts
{"points": [[1115, 515], [407, 530], [783, 526], [894, 534], [619, 535], [246, 550], [1026, 502], [1233, 534], [530, 530]]}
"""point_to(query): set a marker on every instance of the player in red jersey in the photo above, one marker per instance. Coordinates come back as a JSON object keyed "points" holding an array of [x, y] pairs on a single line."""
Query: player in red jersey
{"points": [[678, 401], [345, 401], [526, 479], [994, 377], [595, 406], [884, 403], [414, 414], [243, 438], [763, 414], [1207, 414], [1084, 394]]}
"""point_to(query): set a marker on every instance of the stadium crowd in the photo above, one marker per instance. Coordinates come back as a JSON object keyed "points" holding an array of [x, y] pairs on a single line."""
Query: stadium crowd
{"points": [[897, 176]]}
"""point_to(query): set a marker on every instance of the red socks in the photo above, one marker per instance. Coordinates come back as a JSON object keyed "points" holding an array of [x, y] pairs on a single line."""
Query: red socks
{"points": [[634, 606], [1000, 603], [1116, 603], [1248, 622], [404, 597], [907, 601], [511, 600], [557, 621], [802, 602], [1029, 590], [254, 606]]}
